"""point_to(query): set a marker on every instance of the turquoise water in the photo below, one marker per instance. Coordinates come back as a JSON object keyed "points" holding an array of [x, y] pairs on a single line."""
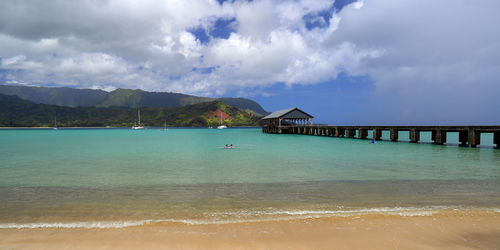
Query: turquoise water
{"points": [[122, 174]]}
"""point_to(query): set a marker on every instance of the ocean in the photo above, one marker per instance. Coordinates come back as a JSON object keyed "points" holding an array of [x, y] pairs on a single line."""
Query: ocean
{"points": [[112, 178]]}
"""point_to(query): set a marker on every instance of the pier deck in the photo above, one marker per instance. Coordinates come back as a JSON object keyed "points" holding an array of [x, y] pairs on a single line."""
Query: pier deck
{"points": [[467, 135]]}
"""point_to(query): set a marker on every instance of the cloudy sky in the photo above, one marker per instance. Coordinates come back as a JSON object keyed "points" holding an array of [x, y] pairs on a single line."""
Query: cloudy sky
{"points": [[344, 61]]}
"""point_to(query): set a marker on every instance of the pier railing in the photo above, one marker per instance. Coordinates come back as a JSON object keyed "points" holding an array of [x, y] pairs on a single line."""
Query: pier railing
{"points": [[467, 135]]}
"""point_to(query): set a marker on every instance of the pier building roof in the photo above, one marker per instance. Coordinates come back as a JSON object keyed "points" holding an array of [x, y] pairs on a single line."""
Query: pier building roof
{"points": [[292, 113]]}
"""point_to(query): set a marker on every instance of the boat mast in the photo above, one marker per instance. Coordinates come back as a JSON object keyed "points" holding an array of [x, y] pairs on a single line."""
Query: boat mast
{"points": [[139, 114]]}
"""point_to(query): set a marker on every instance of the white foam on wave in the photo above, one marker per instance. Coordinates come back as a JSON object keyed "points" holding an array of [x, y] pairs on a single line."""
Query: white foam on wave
{"points": [[87, 225], [110, 224], [242, 216], [348, 213], [402, 211]]}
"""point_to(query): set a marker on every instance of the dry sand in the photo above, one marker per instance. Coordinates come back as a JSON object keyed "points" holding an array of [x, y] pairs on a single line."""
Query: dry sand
{"points": [[446, 230]]}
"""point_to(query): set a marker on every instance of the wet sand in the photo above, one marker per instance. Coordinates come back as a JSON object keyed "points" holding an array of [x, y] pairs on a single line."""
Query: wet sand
{"points": [[445, 230]]}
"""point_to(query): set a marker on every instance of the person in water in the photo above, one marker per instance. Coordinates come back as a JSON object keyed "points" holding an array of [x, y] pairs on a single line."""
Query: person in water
{"points": [[231, 146], [226, 146]]}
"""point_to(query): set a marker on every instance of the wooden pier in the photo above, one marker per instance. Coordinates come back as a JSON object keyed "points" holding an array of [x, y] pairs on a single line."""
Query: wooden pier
{"points": [[296, 121]]}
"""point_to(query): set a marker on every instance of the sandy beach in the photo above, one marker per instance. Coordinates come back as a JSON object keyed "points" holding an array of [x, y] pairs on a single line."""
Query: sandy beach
{"points": [[445, 230]]}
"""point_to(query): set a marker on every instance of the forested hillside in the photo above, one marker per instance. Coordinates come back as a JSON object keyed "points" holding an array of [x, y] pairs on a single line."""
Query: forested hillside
{"points": [[16, 112]]}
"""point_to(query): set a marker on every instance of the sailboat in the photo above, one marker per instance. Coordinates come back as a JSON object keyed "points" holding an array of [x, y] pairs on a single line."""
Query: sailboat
{"points": [[55, 124], [221, 126], [165, 128], [138, 125]]}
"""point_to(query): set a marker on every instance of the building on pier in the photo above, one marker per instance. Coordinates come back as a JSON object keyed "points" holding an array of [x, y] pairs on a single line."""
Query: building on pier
{"points": [[273, 122]]}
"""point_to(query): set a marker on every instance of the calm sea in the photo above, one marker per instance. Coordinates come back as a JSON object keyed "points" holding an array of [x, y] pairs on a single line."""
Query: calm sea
{"points": [[121, 177]]}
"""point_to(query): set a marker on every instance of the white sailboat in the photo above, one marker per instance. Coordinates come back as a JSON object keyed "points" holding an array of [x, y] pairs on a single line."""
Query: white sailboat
{"points": [[221, 126], [55, 124], [138, 125], [165, 128]]}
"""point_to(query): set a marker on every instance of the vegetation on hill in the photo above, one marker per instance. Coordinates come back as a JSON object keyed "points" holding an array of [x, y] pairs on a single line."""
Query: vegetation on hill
{"points": [[56, 96], [244, 104], [118, 98], [16, 112]]}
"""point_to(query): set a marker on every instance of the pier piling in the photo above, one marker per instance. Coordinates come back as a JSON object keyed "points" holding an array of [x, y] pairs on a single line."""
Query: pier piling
{"points": [[414, 135], [363, 133], [474, 138], [463, 138], [439, 136], [377, 134], [351, 133], [394, 134]]}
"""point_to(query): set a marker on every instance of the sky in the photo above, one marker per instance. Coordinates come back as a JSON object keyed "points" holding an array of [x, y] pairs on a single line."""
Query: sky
{"points": [[393, 62]]}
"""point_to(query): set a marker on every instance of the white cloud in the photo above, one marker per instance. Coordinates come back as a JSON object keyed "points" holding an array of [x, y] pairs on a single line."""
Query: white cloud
{"points": [[12, 61], [408, 48], [92, 64], [358, 5], [190, 47], [124, 43], [439, 57]]}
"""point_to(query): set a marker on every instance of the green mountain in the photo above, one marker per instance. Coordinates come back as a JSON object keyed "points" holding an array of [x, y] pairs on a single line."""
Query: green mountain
{"points": [[118, 98], [56, 96], [16, 112]]}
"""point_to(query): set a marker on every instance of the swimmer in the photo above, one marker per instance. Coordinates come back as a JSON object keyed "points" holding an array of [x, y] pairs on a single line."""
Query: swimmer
{"points": [[231, 146], [226, 146]]}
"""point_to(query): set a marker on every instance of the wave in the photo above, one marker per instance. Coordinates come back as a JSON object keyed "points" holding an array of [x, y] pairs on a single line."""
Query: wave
{"points": [[87, 225], [246, 216]]}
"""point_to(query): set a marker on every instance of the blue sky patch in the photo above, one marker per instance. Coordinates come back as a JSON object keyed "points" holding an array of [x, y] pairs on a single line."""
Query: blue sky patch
{"points": [[174, 77], [206, 70], [337, 101], [201, 34], [3, 76], [222, 28], [322, 18], [340, 4], [222, 1], [318, 20]]}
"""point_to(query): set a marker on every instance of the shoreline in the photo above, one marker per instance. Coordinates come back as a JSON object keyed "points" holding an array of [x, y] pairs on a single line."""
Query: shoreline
{"points": [[444, 230], [277, 216]]}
